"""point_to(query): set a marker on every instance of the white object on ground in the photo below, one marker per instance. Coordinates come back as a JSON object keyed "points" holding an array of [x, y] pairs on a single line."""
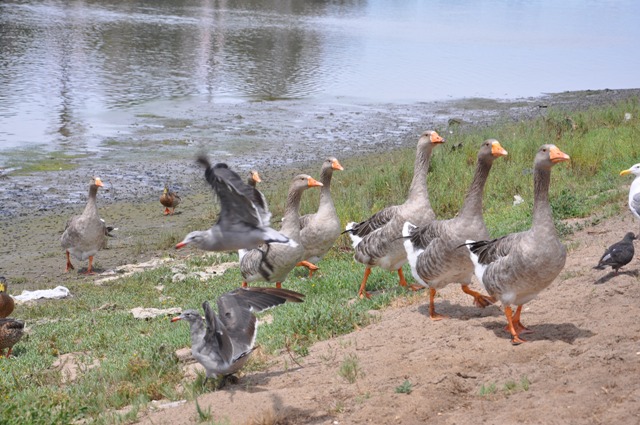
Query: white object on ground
{"points": [[55, 293]]}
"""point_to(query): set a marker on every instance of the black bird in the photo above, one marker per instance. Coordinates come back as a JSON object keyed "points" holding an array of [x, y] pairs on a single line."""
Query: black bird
{"points": [[223, 342], [619, 254]]}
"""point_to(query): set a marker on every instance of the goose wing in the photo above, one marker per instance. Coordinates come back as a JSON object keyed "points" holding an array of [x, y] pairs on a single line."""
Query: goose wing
{"points": [[374, 222]]}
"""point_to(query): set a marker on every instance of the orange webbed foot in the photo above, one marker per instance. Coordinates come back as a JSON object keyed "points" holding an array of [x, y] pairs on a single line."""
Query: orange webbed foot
{"points": [[363, 294], [437, 317]]}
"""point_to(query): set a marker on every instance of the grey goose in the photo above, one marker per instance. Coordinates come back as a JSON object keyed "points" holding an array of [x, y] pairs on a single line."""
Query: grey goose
{"points": [[516, 267], [377, 241], [432, 249], [84, 235]]}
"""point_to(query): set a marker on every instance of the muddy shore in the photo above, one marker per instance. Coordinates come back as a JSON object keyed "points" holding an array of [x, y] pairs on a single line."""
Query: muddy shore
{"points": [[273, 137]]}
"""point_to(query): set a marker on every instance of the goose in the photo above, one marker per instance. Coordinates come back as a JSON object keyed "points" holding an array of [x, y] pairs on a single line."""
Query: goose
{"points": [[432, 249], [169, 199], [223, 342], [634, 190], [11, 330], [377, 241], [516, 267], [273, 262], [242, 222], [261, 201], [84, 235], [319, 231], [619, 254], [6, 301]]}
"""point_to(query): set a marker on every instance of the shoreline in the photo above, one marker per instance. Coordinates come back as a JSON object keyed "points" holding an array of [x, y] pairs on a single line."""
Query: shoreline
{"points": [[268, 136], [36, 207]]}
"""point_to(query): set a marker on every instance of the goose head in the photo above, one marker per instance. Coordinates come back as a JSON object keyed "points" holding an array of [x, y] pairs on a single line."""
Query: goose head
{"points": [[430, 138], [254, 177], [549, 155]]}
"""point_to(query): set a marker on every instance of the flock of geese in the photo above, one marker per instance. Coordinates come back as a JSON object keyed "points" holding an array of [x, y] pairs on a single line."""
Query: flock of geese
{"points": [[512, 269]]}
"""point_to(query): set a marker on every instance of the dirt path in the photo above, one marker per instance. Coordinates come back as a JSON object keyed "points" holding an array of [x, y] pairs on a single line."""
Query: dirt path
{"points": [[581, 365]]}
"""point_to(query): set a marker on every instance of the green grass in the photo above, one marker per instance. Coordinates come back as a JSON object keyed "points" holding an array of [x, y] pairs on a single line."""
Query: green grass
{"points": [[137, 362]]}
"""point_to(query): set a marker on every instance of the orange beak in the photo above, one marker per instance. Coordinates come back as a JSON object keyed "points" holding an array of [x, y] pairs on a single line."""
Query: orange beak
{"points": [[556, 155], [497, 149], [98, 182], [336, 165], [181, 245], [175, 319], [436, 138], [313, 182], [256, 177]]}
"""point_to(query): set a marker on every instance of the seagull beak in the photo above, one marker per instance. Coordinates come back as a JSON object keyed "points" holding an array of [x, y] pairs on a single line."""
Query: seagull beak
{"points": [[313, 182], [497, 149], [556, 155], [625, 172], [181, 245]]}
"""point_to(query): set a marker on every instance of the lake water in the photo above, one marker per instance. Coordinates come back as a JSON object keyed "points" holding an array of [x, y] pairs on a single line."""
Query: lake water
{"points": [[75, 73]]}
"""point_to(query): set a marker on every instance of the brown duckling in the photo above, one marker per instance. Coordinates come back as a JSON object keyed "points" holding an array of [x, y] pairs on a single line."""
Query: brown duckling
{"points": [[11, 330]]}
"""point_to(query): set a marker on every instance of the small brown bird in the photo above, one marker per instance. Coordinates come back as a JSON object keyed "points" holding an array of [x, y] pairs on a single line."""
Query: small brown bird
{"points": [[6, 301], [11, 330], [169, 199]]}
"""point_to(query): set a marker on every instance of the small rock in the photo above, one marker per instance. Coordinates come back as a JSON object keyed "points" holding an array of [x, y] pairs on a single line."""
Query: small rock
{"points": [[148, 313], [517, 200], [184, 355], [178, 277]]}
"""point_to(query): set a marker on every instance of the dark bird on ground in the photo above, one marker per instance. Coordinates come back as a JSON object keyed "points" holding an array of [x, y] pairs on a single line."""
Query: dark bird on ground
{"points": [[242, 222], [223, 342], [619, 254]]}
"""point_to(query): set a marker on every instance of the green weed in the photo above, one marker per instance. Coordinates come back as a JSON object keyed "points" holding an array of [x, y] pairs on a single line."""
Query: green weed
{"points": [[405, 388]]}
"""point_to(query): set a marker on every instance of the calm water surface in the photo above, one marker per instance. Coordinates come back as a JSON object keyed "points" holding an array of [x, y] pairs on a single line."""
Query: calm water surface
{"points": [[75, 73]]}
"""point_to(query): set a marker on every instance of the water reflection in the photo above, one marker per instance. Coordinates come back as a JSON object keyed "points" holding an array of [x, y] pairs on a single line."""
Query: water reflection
{"points": [[70, 71]]}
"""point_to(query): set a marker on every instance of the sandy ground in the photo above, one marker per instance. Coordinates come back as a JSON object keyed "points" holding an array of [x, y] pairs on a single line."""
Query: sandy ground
{"points": [[580, 366]]}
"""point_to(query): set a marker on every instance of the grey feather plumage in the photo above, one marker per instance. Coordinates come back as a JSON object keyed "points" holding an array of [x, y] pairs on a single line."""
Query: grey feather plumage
{"points": [[84, 235], [242, 222], [516, 267], [320, 230], [273, 263], [223, 342]]}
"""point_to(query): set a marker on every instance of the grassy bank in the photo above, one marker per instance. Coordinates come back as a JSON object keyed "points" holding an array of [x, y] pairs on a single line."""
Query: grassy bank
{"points": [[136, 360]]}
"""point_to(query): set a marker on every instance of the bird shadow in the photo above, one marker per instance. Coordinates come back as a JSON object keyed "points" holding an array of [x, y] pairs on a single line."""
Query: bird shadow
{"points": [[565, 332], [254, 383], [612, 274], [461, 312]]}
